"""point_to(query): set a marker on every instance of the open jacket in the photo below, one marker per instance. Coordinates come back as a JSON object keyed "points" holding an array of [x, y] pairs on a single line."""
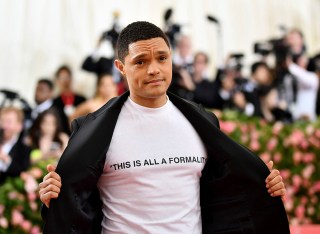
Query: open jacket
{"points": [[233, 199]]}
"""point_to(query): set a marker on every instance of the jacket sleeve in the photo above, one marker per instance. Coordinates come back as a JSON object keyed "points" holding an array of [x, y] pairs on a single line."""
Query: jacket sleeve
{"points": [[78, 207], [75, 125]]}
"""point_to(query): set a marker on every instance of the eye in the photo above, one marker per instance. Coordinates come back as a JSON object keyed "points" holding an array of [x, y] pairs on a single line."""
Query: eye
{"points": [[163, 58], [140, 62]]}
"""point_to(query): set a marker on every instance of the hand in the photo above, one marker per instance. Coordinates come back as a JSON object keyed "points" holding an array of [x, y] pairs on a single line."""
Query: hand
{"points": [[274, 182], [239, 100], [50, 187]]}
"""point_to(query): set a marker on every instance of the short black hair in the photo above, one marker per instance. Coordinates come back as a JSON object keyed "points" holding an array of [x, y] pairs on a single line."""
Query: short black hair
{"points": [[47, 82], [137, 31], [63, 68], [256, 65]]}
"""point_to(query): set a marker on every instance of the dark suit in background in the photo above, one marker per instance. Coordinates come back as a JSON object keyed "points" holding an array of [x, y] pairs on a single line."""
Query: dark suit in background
{"points": [[20, 155]]}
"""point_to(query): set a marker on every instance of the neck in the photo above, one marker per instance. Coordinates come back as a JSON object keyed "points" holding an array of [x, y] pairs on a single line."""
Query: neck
{"points": [[155, 102]]}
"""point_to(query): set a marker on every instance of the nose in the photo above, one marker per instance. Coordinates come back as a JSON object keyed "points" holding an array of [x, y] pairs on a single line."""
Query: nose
{"points": [[153, 68]]}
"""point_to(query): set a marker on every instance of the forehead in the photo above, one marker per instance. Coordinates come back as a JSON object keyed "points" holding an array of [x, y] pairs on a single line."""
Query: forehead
{"points": [[146, 46]]}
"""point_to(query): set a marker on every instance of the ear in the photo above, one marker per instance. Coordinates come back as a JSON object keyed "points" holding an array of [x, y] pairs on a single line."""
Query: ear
{"points": [[120, 66]]}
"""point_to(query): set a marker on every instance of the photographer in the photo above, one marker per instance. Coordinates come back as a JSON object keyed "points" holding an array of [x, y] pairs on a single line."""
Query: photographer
{"points": [[307, 88], [235, 91]]}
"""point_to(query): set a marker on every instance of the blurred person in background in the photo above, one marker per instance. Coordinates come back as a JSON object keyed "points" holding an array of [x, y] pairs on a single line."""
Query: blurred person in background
{"points": [[233, 90], [205, 92], [43, 97], [44, 100], [105, 90], [314, 66], [307, 88], [14, 154], [182, 56], [293, 45], [67, 99], [46, 137], [262, 79]]}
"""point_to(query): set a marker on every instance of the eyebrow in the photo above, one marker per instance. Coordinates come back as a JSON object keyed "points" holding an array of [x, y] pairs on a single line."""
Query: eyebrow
{"points": [[142, 55]]}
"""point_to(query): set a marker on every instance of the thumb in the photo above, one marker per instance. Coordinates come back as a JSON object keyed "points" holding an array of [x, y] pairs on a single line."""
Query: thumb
{"points": [[270, 165], [50, 168]]}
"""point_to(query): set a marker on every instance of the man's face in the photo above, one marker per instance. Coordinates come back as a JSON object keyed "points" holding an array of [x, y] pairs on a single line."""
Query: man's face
{"points": [[10, 124], [148, 69], [43, 93], [63, 80]]}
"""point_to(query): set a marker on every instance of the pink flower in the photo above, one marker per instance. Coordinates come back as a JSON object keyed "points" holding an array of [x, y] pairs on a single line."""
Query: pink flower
{"points": [[297, 156], [16, 217], [272, 143], [308, 171], [288, 205], [296, 181], [244, 138], [300, 211], [317, 133], [304, 200], [265, 157], [277, 127], [316, 186], [31, 184], [227, 126], [32, 196], [254, 135], [277, 157], [285, 173], [304, 144], [244, 128], [296, 137], [311, 210], [26, 225], [308, 157], [309, 130], [35, 230], [4, 222], [13, 195], [254, 145], [33, 205]]}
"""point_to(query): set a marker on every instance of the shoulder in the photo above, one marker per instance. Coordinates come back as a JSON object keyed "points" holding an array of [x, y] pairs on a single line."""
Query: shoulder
{"points": [[181, 103]]}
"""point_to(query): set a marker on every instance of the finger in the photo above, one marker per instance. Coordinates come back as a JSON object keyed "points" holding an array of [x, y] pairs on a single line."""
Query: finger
{"points": [[274, 173], [50, 168], [276, 187], [46, 197], [270, 165], [50, 188], [274, 181], [52, 175], [281, 192], [49, 182]]}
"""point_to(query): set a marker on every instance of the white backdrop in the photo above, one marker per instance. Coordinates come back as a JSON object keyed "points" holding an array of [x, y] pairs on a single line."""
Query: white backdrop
{"points": [[37, 36]]}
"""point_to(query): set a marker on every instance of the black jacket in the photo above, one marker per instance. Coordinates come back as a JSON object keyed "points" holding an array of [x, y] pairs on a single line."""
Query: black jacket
{"points": [[233, 199], [20, 156]]}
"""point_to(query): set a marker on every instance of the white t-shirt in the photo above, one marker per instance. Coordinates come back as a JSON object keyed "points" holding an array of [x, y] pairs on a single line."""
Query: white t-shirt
{"points": [[150, 182]]}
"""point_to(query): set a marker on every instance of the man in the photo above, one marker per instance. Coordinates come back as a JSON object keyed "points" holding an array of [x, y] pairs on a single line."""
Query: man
{"points": [[140, 157], [44, 100], [307, 88], [14, 155], [43, 97], [67, 99]]}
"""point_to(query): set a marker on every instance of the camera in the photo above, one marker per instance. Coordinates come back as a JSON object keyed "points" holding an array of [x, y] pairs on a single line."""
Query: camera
{"points": [[171, 29], [235, 62]]}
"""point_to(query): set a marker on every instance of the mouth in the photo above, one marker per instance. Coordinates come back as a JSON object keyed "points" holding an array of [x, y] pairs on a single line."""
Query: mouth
{"points": [[155, 81]]}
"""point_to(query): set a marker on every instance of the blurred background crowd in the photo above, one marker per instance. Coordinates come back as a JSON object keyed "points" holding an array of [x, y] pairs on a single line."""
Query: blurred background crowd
{"points": [[280, 83]]}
